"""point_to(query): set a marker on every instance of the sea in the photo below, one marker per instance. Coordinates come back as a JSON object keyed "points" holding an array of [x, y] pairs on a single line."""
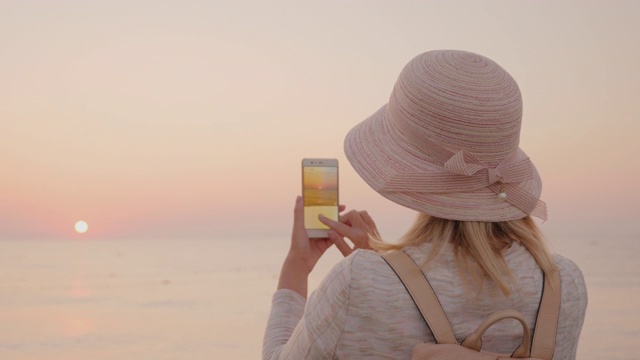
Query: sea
{"points": [[210, 298]]}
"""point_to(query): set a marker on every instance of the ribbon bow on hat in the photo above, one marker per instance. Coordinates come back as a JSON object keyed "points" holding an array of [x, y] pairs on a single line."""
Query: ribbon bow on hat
{"points": [[462, 172]]}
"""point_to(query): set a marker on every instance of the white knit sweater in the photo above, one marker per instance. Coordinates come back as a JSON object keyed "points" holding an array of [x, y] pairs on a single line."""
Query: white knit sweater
{"points": [[362, 311]]}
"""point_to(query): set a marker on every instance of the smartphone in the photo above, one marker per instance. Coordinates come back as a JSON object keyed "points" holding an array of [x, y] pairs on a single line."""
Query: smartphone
{"points": [[319, 194]]}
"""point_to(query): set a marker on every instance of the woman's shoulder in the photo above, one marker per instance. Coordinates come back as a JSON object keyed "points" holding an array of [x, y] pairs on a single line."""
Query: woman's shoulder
{"points": [[566, 265], [362, 262], [362, 267], [522, 262], [362, 257], [570, 275], [360, 270], [356, 265], [358, 259]]}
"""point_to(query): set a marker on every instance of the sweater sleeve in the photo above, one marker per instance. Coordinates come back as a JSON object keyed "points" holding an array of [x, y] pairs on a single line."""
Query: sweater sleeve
{"points": [[296, 331]]}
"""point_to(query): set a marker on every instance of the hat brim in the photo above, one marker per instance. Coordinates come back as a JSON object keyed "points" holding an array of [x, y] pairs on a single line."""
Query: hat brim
{"points": [[377, 152]]}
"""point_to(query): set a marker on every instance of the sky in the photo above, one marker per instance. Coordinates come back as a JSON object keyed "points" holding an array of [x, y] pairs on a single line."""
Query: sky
{"points": [[189, 119]]}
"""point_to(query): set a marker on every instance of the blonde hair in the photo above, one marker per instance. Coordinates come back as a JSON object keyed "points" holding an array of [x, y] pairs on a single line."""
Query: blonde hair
{"points": [[477, 245]]}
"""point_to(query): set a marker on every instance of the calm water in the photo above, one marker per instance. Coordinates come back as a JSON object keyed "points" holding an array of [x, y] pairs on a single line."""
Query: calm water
{"points": [[210, 299]]}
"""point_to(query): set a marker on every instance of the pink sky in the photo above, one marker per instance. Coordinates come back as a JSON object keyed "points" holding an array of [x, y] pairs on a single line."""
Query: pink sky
{"points": [[189, 119]]}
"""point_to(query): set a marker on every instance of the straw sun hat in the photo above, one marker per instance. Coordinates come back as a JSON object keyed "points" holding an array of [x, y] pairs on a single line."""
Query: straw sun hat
{"points": [[447, 143]]}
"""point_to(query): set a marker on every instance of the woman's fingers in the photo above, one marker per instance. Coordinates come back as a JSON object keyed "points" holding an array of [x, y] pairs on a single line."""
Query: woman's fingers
{"points": [[360, 220], [354, 218], [339, 242], [370, 223], [355, 225], [298, 217], [340, 227], [303, 249]]}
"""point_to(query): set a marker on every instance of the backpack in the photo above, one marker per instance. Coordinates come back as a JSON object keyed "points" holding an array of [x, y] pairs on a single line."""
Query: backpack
{"points": [[448, 348]]}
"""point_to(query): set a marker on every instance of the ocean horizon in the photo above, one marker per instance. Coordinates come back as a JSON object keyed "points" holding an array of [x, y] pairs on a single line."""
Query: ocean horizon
{"points": [[203, 299]]}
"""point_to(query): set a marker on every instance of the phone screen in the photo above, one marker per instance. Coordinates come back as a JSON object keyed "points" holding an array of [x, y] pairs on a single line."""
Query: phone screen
{"points": [[320, 193]]}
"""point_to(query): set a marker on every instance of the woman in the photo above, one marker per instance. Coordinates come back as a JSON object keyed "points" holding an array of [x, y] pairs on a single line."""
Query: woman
{"points": [[445, 145]]}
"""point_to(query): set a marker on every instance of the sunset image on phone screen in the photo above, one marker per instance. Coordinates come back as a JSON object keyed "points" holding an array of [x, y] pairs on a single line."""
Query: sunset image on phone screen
{"points": [[320, 187]]}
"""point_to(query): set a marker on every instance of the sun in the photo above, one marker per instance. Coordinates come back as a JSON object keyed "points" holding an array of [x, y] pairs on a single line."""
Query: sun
{"points": [[81, 227]]}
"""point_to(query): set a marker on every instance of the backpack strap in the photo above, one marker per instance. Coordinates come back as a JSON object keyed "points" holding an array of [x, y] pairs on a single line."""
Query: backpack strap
{"points": [[422, 294], [424, 297], [544, 335]]}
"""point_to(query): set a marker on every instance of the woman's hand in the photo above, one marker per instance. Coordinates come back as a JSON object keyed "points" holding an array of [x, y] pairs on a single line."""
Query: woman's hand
{"points": [[308, 250], [303, 255], [357, 226]]}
